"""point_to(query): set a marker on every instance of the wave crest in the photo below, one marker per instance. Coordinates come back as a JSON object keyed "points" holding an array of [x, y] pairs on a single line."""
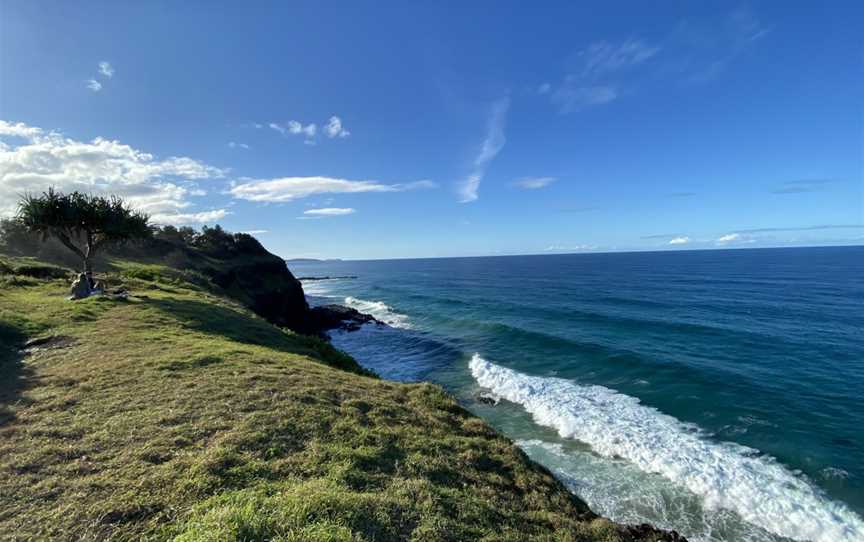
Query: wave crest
{"points": [[725, 475], [380, 310]]}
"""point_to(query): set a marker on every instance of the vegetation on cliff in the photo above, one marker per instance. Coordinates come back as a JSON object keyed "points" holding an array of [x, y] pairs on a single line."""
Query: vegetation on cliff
{"points": [[178, 414]]}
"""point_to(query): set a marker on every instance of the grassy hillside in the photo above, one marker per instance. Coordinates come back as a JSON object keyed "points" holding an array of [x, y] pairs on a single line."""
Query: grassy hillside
{"points": [[178, 415]]}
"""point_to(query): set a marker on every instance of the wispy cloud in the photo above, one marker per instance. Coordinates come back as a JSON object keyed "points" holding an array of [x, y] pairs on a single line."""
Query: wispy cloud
{"points": [[595, 76], [255, 232], [682, 194], [533, 183], [804, 228], [582, 209], [492, 145], [106, 69], [235, 145], [679, 241], [729, 238], [573, 96], [334, 128], [602, 58], [695, 51], [330, 211], [802, 186], [705, 49], [94, 85], [293, 188], [662, 236], [162, 188]]}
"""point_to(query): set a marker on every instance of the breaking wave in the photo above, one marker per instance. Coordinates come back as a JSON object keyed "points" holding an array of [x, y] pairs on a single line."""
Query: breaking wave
{"points": [[380, 310], [725, 476]]}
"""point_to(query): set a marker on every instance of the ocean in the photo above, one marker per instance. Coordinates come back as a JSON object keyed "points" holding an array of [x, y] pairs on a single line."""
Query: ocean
{"points": [[718, 393]]}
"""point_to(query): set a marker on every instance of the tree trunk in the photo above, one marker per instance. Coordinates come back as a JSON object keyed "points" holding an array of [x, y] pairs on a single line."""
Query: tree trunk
{"points": [[88, 261]]}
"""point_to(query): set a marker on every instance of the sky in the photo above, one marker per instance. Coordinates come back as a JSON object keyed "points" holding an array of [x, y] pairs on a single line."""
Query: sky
{"points": [[406, 129]]}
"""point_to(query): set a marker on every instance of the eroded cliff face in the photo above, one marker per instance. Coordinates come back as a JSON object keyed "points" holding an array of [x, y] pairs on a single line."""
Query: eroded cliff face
{"points": [[264, 283]]}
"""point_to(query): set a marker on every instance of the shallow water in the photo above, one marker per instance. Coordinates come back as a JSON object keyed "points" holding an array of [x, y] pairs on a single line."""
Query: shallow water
{"points": [[715, 392]]}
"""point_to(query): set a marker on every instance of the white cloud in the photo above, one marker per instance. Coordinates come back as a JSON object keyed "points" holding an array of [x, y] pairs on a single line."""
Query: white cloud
{"points": [[178, 219], [533, 183], [293, 188], [492, 145], [297, 128], [94, 85], [161, 188], [235, 145], [729, 238], [679, 241], [19, 129], [255, 232], [330, 211], [282, 130], [106, 69], [334, 128]]}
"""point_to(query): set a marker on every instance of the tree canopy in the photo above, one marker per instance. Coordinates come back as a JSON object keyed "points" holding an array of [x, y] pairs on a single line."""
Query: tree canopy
{"points": [[84, 223]]}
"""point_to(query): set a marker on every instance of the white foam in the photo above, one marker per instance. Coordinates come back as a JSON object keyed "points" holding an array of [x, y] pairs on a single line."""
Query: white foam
{"points": [[725, 475], [380, 311], [316, 288]]}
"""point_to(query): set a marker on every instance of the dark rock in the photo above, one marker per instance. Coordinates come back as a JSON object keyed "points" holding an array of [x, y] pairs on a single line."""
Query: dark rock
{"points": [[328, 278], [328, 317], [49, 342], [647, 532], [488, 398]]}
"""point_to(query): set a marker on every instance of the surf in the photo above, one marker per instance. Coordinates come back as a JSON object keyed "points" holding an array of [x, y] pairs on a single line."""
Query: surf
{"points": [[723, 475]]}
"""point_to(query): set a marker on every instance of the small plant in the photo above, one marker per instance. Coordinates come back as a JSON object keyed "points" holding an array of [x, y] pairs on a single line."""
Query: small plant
{"points": [[83, 223]]}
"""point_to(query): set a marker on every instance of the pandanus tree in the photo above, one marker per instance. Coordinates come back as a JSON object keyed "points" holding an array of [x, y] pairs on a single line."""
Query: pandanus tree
{"points": [[84, 223]]}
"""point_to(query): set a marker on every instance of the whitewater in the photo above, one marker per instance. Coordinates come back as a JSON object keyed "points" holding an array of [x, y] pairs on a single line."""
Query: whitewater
{"points": [[725, 475]]}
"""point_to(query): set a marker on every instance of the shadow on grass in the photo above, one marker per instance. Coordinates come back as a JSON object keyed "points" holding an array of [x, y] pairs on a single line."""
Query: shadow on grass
{"points": [[226, 322], [13, 375]]}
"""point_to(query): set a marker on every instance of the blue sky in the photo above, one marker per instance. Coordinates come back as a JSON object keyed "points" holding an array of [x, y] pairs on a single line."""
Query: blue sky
{"points": [[403, 129]]}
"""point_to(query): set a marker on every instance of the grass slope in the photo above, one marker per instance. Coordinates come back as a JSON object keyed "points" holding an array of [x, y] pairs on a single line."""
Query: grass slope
{"points": [[178, 415]]}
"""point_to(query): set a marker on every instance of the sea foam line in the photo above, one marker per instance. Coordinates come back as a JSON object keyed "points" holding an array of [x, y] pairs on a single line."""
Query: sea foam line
{"points": [[380, 310], [725, 475]]}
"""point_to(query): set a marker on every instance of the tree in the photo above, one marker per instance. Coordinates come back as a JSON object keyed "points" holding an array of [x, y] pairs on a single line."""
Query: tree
{"points": [[83, 223]]}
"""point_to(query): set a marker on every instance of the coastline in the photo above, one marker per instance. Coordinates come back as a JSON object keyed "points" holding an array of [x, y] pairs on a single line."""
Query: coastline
{"points": [[227, 425], [757, 513]]}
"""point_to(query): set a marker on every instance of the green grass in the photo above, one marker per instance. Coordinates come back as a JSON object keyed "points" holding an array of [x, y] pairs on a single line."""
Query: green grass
{"points": [[179, 415]]}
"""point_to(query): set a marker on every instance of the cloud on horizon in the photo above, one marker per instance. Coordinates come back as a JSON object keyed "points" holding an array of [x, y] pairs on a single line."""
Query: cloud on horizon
{"points": [[161, 188], [679, 241], [285, 189], [492, 145]]}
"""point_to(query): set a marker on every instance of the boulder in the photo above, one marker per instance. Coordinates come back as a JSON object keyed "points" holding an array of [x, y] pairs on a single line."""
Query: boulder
{"points": [[328, 317]]}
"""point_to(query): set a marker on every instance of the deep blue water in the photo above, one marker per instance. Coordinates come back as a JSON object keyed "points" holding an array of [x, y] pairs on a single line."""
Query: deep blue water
{"points": [[715, 392]]}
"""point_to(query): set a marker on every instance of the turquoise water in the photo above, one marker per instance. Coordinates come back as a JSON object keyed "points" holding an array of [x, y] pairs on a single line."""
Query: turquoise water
{"points": [[718, 393]]}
